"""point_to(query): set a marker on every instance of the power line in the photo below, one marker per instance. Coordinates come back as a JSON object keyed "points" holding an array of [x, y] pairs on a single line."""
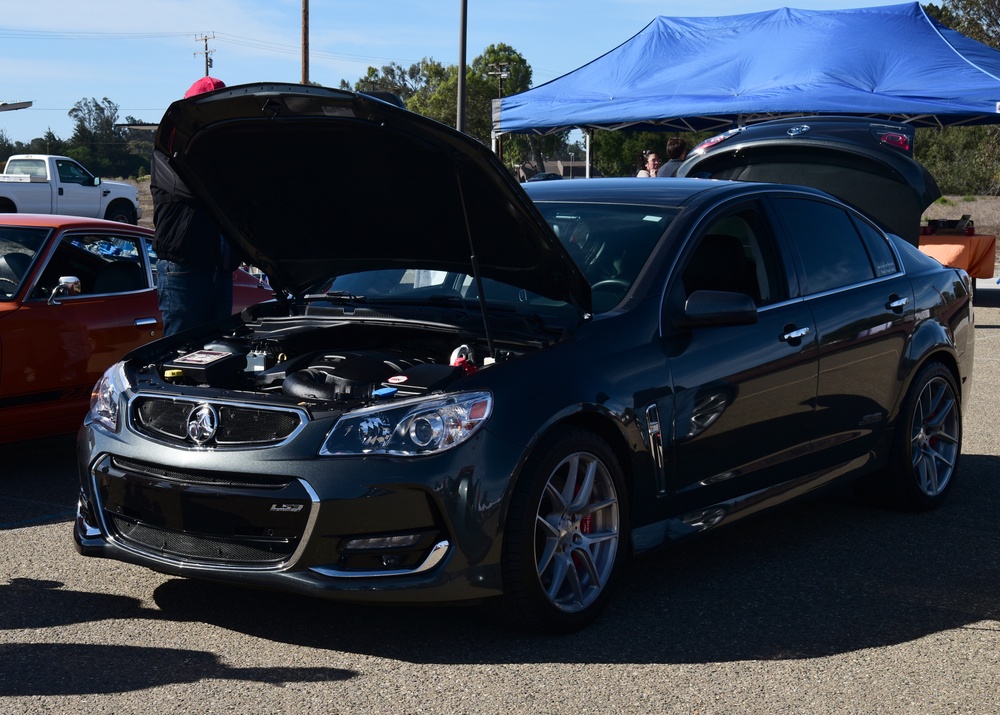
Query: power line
{"points": [[221, 37]]}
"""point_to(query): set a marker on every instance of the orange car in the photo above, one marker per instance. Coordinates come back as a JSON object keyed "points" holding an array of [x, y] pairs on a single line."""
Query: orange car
{"points": [[76, 294]]}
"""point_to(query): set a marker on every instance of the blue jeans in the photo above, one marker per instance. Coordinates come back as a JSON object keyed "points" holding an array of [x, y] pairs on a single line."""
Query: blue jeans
{"points": [[189, 298]]}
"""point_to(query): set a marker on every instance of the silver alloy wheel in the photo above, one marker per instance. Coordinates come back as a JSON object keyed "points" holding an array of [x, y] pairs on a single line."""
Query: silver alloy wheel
{"points": [[935, 434], [576, 532]]}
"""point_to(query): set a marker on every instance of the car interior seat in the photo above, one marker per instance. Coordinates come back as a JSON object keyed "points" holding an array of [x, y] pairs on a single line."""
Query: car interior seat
{"points": [[721, 263], [119, 277]]}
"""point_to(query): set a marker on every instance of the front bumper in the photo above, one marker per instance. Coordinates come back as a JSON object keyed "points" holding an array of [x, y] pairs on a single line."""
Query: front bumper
{"points": [[359, 529]]}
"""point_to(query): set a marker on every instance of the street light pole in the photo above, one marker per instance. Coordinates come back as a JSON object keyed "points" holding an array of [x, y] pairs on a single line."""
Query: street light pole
{"points": [[500, 72], [460, 111]]}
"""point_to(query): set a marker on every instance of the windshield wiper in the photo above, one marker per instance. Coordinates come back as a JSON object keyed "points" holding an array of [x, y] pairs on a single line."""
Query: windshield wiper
{"points": [[340, 296]]}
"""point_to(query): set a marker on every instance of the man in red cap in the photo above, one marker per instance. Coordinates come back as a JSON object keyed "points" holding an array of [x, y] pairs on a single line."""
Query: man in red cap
{"points": [[205, 84], [194, 266]]}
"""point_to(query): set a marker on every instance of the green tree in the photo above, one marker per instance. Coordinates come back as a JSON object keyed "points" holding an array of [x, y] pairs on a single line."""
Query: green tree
{"points": [[6, 146], [978, 19], [98, 144], [941, 14], [963, 160], [395, 78]]}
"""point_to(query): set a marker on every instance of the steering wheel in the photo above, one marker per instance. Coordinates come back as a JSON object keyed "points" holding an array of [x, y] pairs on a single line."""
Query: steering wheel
{"points": [[11, 281], [614, 285]]}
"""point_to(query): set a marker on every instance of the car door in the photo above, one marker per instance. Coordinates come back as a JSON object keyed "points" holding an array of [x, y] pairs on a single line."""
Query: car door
{"points": [[743, 395], [54, 351], [77, 195], [863, 307]]}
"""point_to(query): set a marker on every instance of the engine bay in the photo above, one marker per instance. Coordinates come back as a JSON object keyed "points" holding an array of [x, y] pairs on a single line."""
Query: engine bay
{"points": [[311, 361]]}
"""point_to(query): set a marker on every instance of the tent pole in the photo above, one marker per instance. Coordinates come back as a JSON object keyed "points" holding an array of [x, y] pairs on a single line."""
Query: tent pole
{"points": [[586, 144]]}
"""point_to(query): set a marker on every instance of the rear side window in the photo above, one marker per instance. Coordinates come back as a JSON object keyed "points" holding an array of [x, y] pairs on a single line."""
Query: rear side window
{"points": [[881, 254], [832, 251]]}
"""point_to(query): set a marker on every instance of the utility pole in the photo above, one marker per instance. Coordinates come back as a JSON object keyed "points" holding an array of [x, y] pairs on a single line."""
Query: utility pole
{"points": [[207, 52], [305, 41]]}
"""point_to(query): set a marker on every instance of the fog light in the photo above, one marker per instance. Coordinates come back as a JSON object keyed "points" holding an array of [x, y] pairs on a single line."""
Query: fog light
{"points": [[381, 542]]}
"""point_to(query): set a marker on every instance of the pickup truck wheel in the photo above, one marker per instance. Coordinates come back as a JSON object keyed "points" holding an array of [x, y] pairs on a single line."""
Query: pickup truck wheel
{"points": [[122, 212], [6, 207]]}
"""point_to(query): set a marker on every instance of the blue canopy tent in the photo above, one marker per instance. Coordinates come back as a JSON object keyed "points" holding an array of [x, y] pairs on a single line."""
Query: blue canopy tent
{"points": [[705, 73]]}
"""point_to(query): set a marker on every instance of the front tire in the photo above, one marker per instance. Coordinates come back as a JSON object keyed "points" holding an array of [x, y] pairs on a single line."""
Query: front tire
{"points": [[122, 212], [566, 533], [928, 441]]}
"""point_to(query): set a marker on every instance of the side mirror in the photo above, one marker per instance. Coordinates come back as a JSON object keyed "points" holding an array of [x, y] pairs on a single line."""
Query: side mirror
{"points": [[714, 307], [68, 285]]}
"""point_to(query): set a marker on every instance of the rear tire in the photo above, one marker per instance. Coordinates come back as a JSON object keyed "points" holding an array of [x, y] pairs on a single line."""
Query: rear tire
{"points": [[566, 533], [928, 442]]}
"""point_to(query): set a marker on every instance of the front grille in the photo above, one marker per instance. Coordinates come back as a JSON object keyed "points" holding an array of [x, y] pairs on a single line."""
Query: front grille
{"points": [[167, 419], [202, 548], [202, 516], [233, 479]]}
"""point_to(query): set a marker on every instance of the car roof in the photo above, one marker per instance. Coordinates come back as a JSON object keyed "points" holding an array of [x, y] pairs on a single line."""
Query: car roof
{"points": [[60, 221]]}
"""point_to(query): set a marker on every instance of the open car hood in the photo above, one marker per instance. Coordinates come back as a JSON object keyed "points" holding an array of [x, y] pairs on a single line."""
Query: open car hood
{"points": [[865, 162], [311, 182]]}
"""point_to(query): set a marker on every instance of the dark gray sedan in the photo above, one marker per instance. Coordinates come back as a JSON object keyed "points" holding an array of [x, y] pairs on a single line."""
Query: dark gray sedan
{"points": [[466, 391]]}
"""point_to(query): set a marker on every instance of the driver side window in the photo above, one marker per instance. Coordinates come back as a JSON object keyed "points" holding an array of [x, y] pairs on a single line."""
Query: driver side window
{"points": [[737, 254], [103, 263]]}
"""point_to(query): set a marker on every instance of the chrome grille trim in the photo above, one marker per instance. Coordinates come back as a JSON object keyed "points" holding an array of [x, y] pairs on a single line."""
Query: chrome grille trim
{"points": [[242, 425], [436, 555]]}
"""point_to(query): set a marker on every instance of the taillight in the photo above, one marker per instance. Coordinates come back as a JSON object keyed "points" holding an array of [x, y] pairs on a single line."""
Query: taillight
{"points": [[708, 143], [895, 139]]}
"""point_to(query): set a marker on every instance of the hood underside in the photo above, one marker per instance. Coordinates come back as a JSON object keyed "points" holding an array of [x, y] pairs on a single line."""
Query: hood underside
{"points": [[311, 183]]}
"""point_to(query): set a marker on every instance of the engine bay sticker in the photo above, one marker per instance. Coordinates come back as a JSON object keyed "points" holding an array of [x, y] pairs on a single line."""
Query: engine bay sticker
{"points": [[200, 357]]}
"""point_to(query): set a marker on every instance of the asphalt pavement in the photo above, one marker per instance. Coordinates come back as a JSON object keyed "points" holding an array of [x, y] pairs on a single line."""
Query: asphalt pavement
{"points": [[827, 606]]}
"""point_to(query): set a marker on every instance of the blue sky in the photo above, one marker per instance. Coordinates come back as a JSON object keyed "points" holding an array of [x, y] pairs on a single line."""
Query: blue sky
{"points": [[143, 54]]}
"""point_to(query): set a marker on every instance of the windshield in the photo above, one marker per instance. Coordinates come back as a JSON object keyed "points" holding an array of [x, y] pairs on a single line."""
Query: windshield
{"points": [[611, 243], [417, 286], [18, 247]]}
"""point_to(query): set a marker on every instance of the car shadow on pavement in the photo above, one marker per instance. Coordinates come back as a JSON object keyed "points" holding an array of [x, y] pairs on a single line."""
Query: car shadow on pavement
{"points": [[33, 669], [829, 575], [49, 493], [57, 668]]}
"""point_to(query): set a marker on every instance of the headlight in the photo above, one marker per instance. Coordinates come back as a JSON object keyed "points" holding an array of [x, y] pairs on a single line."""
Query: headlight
{"points": [[410, 428], [105, 396]]}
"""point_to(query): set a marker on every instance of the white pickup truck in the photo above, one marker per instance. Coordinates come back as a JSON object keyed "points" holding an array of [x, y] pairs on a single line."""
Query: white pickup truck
{"points": [[46, 184]]}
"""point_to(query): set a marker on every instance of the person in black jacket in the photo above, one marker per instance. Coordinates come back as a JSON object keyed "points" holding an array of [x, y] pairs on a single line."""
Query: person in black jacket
{"points": [[194, 266]]}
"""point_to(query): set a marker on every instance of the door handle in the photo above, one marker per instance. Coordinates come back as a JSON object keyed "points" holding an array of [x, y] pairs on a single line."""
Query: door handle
{"points": [[144, 322], [794, 335], [896, 304]]}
